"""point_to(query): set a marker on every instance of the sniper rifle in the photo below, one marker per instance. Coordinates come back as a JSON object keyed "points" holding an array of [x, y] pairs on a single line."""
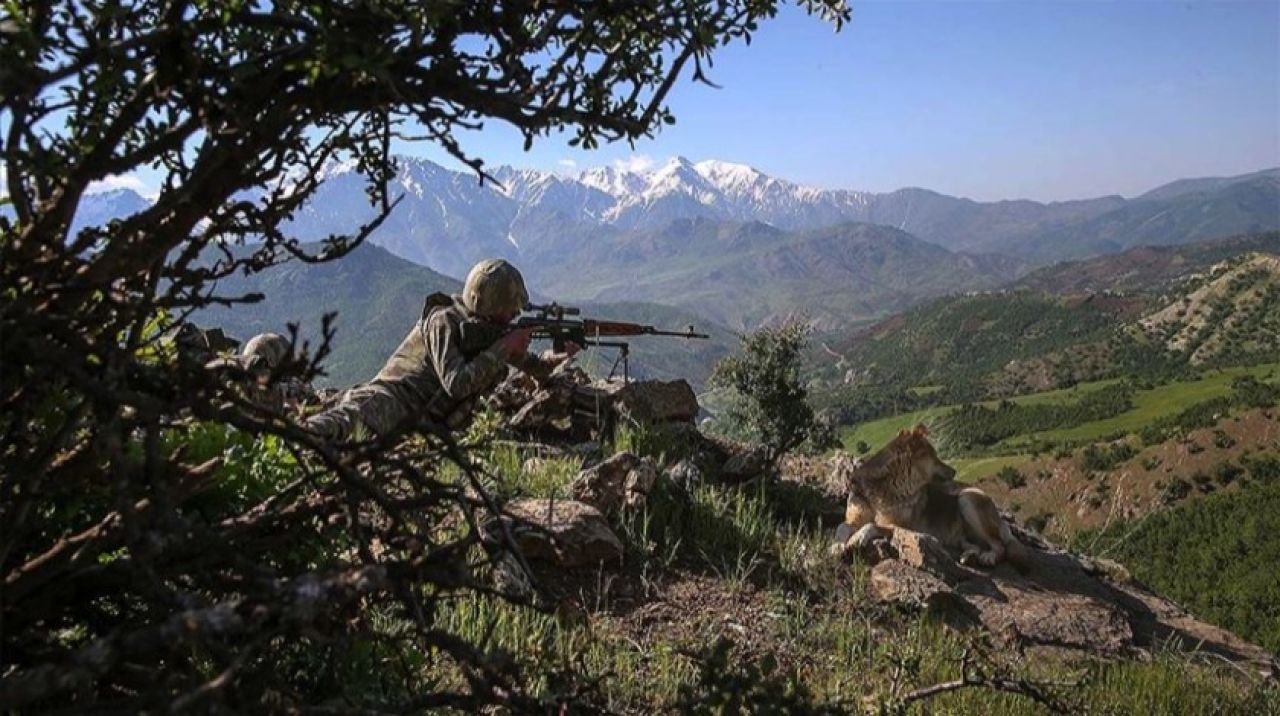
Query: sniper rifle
{"points": [[562, 325]]}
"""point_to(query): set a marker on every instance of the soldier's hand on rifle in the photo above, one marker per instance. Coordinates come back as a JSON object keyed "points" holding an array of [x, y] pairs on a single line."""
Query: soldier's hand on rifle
{"points": [[515, 344], [571, 349]]}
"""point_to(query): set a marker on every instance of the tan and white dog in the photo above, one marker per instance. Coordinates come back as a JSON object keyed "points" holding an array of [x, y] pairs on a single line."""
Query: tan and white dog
{"points": [[907, 485]]}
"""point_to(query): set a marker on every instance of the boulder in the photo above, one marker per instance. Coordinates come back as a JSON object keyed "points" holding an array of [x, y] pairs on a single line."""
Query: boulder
{"points": [[568, 405], [897, 582], [738, 461], [563, 532], [924, 552], [686, 475], [648, 401], [1063, 601], [621, 482]]}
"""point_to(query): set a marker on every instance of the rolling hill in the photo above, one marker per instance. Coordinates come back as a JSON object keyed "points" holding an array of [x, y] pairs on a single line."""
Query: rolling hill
{"points": [[1148, 314], [744, 275]]}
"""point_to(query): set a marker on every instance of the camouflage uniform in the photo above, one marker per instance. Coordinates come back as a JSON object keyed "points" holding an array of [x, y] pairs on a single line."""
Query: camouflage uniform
{"points": [[429, 377], [267, 356]]}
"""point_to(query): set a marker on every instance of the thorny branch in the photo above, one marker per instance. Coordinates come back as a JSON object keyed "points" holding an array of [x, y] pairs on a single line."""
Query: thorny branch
{"points": [[165, 540]]}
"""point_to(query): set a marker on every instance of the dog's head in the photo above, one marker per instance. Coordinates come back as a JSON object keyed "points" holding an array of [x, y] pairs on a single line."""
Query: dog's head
{"points": [[909, 461]]}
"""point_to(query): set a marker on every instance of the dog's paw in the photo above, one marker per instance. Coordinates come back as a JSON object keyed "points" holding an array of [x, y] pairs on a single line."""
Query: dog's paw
{"points": [[988, 559], [863, 538]]}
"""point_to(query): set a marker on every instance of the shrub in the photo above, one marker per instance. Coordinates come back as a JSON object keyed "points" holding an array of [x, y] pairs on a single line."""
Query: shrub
{"points": [[771, 403], [1253, 393], [1096, 459], [1227, 472], [1011, 477], [1265, 468], [1175, 491]]}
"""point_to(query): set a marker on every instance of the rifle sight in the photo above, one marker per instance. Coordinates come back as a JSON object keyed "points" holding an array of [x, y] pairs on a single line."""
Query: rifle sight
{"points": [[553, 310]]}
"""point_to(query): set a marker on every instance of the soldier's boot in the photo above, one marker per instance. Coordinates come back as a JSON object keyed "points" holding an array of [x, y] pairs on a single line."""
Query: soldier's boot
{"points": [[329, 426]]}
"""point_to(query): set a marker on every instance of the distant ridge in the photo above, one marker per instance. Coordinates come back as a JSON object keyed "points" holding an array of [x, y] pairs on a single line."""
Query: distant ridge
{"points": [[448, 219], [1144, 268]]}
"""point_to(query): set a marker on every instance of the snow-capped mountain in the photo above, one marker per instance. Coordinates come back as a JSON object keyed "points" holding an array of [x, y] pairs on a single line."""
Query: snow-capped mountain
{"points": [[447, 219], [681, 189]]}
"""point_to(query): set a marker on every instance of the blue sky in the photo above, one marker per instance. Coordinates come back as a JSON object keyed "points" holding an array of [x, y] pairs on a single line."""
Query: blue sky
{"points": [[989, 100]]}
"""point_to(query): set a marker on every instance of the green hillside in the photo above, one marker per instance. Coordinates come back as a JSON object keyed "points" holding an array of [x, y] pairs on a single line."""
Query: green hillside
{"points": [[377, 298], [1210, 305], [1146, 268], [1217, 556]]}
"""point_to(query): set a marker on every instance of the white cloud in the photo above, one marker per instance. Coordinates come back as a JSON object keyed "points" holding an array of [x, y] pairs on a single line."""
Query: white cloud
{"points": [[118, 181], [567, 163], [634, 163]]}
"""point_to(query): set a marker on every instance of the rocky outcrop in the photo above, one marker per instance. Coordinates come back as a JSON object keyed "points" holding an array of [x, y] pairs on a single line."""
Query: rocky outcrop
{"points": [[621, 482], [563, 532], [1063, 601], [648, 401], [569, 406]]}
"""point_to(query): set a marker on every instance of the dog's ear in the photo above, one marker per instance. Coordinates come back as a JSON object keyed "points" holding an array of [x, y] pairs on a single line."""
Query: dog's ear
{"points": [[922, 430], [904, 433]]}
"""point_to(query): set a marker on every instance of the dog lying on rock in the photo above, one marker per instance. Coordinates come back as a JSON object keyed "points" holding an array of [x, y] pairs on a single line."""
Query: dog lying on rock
{"points": [[906, 485]]}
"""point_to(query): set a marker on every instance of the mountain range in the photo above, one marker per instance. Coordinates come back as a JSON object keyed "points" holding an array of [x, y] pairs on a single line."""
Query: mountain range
{"points": [[743, 248], [449, 219]]}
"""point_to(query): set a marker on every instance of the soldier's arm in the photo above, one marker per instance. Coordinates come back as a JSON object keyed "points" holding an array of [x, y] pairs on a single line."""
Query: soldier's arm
{"points": [[539, 366], [460, 377]]}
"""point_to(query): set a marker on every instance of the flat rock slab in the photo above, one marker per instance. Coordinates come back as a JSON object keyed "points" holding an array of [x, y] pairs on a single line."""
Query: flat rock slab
{"points": [[1064, 601], [649, 401]]}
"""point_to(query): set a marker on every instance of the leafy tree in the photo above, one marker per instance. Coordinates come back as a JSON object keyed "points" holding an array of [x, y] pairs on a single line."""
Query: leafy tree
{"points": [[771, 400], [142, 570]]}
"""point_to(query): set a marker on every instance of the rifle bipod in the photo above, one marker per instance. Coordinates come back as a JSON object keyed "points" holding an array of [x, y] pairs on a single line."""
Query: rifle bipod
{"points": [[624, 351]]}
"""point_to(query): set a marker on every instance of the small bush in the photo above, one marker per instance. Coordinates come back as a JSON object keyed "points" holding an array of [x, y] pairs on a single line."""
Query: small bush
{"points": [[1264, 469], [1011, 477], [1096, 459], [1227, 473], [1223, 441], [1152, 435], [1175, 491]]}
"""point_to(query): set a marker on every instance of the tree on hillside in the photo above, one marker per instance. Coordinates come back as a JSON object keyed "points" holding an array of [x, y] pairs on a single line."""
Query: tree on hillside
{"points": [[165, 542], [770, 401]]}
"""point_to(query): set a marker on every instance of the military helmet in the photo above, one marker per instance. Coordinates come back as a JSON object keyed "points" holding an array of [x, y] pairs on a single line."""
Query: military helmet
{"points": [[266, 350], [494, 287]]}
